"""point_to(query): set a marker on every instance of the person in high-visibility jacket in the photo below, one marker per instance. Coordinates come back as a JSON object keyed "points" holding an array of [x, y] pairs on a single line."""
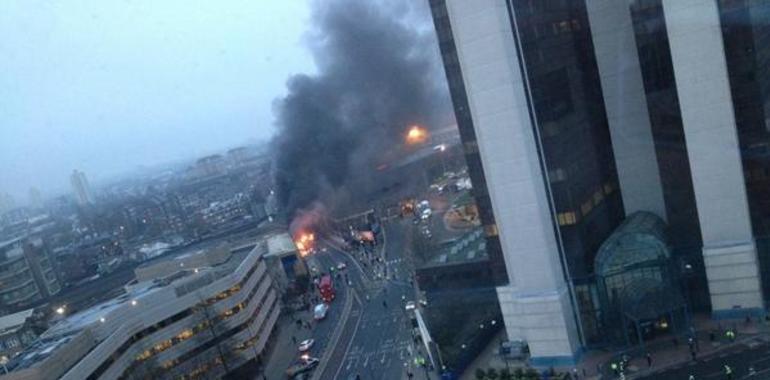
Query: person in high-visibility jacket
{"points": [[728, 372]]}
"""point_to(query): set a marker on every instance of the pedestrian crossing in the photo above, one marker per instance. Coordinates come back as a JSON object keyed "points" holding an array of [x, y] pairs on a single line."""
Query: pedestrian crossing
{"points": [[383, 355]]}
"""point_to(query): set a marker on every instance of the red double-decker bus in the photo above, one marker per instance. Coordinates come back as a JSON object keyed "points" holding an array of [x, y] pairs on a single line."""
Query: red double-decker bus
{"points": [[326, 289]]}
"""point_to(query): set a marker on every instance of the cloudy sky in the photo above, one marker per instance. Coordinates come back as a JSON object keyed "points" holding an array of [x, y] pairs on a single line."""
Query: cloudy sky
{"points": [[106, 86]]}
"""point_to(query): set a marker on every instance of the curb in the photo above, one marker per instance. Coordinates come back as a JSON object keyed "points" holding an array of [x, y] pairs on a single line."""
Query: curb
{"points": [[335, 336], [642, 374]]}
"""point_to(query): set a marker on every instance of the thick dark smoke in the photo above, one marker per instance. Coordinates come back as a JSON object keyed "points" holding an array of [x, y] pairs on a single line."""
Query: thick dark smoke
{"points": [[378, 73]]}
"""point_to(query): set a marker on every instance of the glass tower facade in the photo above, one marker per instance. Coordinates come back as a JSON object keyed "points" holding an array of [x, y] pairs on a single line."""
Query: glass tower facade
{"points": [[556, 53], [746, 33], [468, 137], [571, 123], [651, 38]]}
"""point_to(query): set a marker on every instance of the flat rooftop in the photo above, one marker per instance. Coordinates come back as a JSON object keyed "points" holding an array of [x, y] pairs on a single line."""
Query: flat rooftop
{"points": [[12, 322], [280, 244], [68, 328], [199, 247], [470, 247]]}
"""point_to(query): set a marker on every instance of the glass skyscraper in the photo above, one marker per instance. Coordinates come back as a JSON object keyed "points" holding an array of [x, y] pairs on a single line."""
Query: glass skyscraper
{"points": [[584, 113]]}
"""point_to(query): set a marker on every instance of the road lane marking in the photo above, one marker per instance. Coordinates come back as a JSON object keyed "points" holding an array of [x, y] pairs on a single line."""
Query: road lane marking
{"points": [[354, 297], [761, 360]]}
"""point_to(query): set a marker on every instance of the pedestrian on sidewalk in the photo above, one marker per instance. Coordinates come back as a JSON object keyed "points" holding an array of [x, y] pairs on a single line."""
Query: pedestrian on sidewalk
{"points": [[730, 335], [728, 372], [294, 339], [649, 360], [575, 375]]}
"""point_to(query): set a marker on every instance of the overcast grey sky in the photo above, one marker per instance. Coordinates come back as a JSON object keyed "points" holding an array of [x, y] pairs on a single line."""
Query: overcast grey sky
{"points": [[105, 86]]}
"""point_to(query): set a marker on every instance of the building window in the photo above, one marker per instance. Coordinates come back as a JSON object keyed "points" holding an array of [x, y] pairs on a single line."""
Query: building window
{"points": [[586, 207], [557, 175], [491, 230], [471, 147], [566, 218], [598, 196], [184, 335]]}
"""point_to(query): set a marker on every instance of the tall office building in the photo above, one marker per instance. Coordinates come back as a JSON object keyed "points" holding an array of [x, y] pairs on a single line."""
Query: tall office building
{"points": [[26, 272], [35, 198], [624, 149], [80, 188], [6, 202]]}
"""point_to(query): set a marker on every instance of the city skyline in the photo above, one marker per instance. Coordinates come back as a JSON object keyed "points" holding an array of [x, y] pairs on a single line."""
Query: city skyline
{"points": [[414, 190], [108, 106]]}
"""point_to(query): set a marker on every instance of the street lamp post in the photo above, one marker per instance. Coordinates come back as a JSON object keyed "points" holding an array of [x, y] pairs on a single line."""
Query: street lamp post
{"points": [[442, 153]]}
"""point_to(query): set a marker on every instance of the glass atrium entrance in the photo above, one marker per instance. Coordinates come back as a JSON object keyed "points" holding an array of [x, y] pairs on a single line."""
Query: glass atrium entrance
{"points": [[637, 283]]}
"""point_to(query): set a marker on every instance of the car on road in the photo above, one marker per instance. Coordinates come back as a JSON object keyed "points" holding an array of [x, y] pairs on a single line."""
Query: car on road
{"points": [[299, 368], [319, 312], [410, 305], [305, 345], [342, 266]]}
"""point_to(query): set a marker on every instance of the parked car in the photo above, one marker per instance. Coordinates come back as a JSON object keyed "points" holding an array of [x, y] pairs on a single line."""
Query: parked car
{"points": [[299, 368], [305, 345]]}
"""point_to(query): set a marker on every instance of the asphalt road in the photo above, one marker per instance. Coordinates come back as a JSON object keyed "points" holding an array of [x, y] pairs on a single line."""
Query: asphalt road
{"points": [[376, 343], [286, 353], [754, 354]]}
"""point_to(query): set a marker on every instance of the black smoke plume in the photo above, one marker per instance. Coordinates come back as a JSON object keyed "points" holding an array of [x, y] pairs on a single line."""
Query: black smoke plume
{"points": [[378, 72]]}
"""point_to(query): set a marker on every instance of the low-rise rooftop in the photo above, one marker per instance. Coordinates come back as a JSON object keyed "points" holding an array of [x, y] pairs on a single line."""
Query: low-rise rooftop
{"points": [[149, 291], [12, 322], [469, 247]]}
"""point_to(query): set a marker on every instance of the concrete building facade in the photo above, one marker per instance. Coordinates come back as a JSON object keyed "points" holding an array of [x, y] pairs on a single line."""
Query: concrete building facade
{"points": [[586, 112], [27, 274], [80, 188], [16, 333], [180, 320]]}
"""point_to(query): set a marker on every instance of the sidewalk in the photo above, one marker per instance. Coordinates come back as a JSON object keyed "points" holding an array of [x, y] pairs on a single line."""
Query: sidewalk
{"points": [[284, 351], [665, 354]]}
